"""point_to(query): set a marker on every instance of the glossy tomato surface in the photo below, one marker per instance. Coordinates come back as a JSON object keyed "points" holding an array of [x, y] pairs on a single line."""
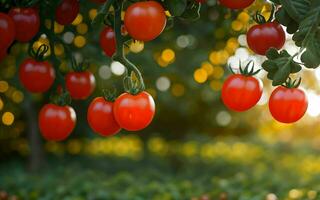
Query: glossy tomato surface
{"points": [[262, 37], [134, 112], [108, 41], [145, 20], [27, 23], [36, 76], [240, 93], [67, 11], [101, 118], [236, 4], [7, 31], [288, 105], [56, 122], [80, 84]]}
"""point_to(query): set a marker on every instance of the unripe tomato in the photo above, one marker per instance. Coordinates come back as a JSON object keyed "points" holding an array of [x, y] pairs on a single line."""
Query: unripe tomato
{"points": [[36, 76], [108, 41], [288, 105], [80, 84], [56, 122], [236, 4], [134, 112], [100, 117], [67, 11], [240, 92], [27, 23], [7, 31], [145, 20], [262, 37]]}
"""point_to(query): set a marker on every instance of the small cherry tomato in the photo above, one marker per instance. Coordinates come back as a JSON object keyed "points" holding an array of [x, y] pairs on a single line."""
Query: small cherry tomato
{"points": [[56, 122], [36, 76], [236, 4], [67, 11], [101, 119], [7, 31], [108, 41], [27, 23], [134, 112], [145, 20], [262, 37], [240, 92], [288, 105], [80, 84]]}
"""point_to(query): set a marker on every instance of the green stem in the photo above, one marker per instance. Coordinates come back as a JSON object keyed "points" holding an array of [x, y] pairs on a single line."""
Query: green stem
{"points": [[120, 41]]}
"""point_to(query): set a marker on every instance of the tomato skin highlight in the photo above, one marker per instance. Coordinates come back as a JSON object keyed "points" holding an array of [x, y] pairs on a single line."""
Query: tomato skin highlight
{"points": [[36, 76], [240, 93], [236, 4], [108, 41], [80, 84], [67, 11], [101, 119], [262, 37], [134, 112], [27, 23], [288, 105], [145, 21], [56, 122], [7, 31]]}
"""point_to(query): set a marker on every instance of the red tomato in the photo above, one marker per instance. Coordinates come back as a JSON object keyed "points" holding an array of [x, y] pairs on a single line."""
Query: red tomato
{"points": [[36, 76], [27, 23], [134, 112], [145, 20], [7, 31], [262, 37], [56, 122], [67, 11], [240, 92], [98, 1], [100, 117], [288, 105], [236, 4], [108, 41], [80, 84]]}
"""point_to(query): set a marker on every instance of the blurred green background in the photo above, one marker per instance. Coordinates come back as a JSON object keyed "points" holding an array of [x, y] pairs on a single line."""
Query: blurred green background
{"points": [[194, 149]]}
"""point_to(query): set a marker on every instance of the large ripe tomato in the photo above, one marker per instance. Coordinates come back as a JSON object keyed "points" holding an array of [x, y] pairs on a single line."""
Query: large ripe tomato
{"points": [[240, 92], [27, 23], [80, 84], [67, 11], [145, 20], [262, 37], [288, 105], [100, 117], [7, 31], [134, 112], [236, 4], [108, 41], [36, 76], [56, 122]]}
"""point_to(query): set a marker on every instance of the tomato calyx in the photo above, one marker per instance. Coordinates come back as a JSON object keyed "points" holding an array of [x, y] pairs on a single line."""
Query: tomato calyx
{"points": [[81, 67], [40, 54], [61, 98], [109, 96], [248, 70], [132, 84], [292, 83], [260, 19]]}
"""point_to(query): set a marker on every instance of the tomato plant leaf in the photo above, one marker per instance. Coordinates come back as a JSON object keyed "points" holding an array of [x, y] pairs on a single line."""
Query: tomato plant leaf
{"points": [[176, 7], [279, 66]]}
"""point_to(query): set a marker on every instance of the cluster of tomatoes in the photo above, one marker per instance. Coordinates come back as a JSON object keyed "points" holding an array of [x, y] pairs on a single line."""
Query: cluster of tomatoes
{"points": [[240, 92]]}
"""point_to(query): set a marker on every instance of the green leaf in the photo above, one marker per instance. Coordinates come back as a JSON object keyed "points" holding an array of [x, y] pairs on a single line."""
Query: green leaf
{"points": [[176, 7], [308, 38], [279, 66]]}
